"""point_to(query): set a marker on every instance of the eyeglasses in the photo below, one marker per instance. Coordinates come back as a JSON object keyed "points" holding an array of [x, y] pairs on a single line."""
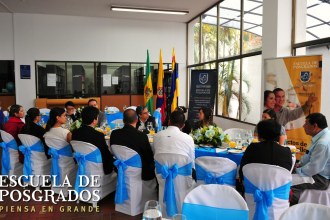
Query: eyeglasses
{"points": [[145, 112]]}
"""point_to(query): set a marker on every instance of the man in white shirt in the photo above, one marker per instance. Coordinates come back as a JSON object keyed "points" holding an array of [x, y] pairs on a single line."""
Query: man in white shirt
{"points": [[173, 140]]}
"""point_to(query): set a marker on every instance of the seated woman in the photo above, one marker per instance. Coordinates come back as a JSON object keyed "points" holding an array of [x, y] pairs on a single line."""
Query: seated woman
{"points": [[31, 127], [57, 117], [267, 151], [270, 114], [14, 125], [205, 118]]}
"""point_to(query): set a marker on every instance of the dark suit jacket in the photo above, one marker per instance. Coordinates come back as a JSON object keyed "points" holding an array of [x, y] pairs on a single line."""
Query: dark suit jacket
{"points": [[150, 119], [267, 152], [130, 137], [38, 132], [88, 134]]}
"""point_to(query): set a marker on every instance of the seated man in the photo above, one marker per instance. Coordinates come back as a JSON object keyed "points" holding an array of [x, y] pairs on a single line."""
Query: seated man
{"points": [[173, 140], [88, 134], [102, 119], [143, 119], [129, 137], [70, 111], [267, 151], [316, 162]]}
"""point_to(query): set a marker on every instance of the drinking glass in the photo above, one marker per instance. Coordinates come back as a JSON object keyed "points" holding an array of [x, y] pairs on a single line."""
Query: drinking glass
{"points": [[179, 217], [152, 211], [238, 140]]}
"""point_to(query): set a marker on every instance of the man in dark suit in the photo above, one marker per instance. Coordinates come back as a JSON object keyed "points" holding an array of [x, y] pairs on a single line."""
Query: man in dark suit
{"points": [[130, 137], [143, 119], [267, 151], [87, 133]]}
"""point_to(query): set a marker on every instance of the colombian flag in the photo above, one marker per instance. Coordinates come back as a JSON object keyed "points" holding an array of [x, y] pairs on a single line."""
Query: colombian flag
{"points": [[148, 93], [161, 96], [175, 83]]}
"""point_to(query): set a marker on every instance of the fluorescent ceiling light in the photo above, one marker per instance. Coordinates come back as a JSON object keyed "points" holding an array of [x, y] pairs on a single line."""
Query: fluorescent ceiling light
{"points": [[148, 10]]}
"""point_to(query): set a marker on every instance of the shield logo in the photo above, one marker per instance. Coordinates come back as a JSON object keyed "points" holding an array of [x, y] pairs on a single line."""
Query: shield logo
{"points": [[305, 76], [203, 78]]}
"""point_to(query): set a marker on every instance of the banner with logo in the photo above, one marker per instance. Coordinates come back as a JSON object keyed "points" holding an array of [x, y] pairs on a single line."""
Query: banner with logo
{"points": [[300, 78], [203, 88]]}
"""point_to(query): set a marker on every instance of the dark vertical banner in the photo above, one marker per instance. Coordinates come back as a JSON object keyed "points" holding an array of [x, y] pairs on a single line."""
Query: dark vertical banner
{"points": [[203, 88]]}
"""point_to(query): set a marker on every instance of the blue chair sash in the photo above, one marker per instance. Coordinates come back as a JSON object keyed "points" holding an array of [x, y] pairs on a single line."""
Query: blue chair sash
{"points": [[26, 151], [264, 199], [158, 117], [5, 168], [55, 154], [197, 212], [94, 156], [169, 174], [209, 178], [121, 190]]}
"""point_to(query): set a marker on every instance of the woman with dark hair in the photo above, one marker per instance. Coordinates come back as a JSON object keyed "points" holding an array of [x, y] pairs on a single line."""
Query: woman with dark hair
{"points": [[31, 127], [14, 125], [57, 118], [205, 117], [267, 151], [269, 99], [270, 114]]}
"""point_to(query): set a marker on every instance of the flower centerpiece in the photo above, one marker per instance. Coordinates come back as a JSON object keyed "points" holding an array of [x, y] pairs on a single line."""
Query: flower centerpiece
{"points": [[209, 135]]}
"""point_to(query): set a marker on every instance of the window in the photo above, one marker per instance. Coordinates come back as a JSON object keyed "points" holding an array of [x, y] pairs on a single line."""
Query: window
{"points": [[237, 42], [7, 77], [88, 79]]}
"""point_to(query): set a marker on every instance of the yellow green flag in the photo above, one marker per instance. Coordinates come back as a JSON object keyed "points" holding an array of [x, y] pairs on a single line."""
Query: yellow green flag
{"points": [[148, 93]]}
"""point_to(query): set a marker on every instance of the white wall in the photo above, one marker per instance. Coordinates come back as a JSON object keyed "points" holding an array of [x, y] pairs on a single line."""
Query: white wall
{"points": [[69, 38], [6, 37]]}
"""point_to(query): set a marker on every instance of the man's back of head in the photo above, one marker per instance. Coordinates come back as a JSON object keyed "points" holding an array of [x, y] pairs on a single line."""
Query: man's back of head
{"points": [[89, 114], [177, 119], [130, 117]]}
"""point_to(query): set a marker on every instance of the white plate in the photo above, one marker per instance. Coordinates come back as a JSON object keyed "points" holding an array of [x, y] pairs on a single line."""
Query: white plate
{"points": [[218, 150], [233, 151], [205, 146]]}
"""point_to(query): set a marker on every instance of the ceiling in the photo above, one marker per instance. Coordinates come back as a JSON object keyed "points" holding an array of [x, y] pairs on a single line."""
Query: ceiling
{"points": [[101, 8]]}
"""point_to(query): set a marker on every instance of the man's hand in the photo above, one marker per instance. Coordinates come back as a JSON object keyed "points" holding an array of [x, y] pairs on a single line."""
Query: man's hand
{"points": [[311, 99]]}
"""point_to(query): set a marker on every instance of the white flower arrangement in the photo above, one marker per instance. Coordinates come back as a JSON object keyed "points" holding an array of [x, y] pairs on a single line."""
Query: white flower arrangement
{"points": [[209, 135]]}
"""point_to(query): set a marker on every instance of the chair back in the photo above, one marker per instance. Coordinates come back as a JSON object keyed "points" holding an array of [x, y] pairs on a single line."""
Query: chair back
{"points": [[215, 201], [44, 111], [234, 131], [10, 164], [215, 170], [129, 196], [56, 143], [6, 116], [131, 107], [306, 211], [35, 160], [180, 185], [158, 119], [269, 186], [5, 136]]}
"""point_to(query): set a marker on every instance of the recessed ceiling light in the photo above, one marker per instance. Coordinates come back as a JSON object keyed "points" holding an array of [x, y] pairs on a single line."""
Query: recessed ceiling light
{"points": [[148, 10]]}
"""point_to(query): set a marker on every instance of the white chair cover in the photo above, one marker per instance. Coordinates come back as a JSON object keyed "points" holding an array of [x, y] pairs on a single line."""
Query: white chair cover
{"points": [[267, 178], [218, 167], [67, 166], [306, 211], [112, 109], [15, 165], [131, 107], [234, 131], [138, 191], [316, 196], [107, 182], [40, 164], [44, 111], [215, 201], [182, 184]]}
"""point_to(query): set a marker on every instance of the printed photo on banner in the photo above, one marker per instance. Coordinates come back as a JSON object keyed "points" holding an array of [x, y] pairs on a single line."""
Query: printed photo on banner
{"points": [[294, 85]]}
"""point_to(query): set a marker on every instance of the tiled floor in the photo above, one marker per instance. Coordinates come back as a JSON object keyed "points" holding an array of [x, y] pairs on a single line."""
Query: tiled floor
{"points": [[106, 210]]}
